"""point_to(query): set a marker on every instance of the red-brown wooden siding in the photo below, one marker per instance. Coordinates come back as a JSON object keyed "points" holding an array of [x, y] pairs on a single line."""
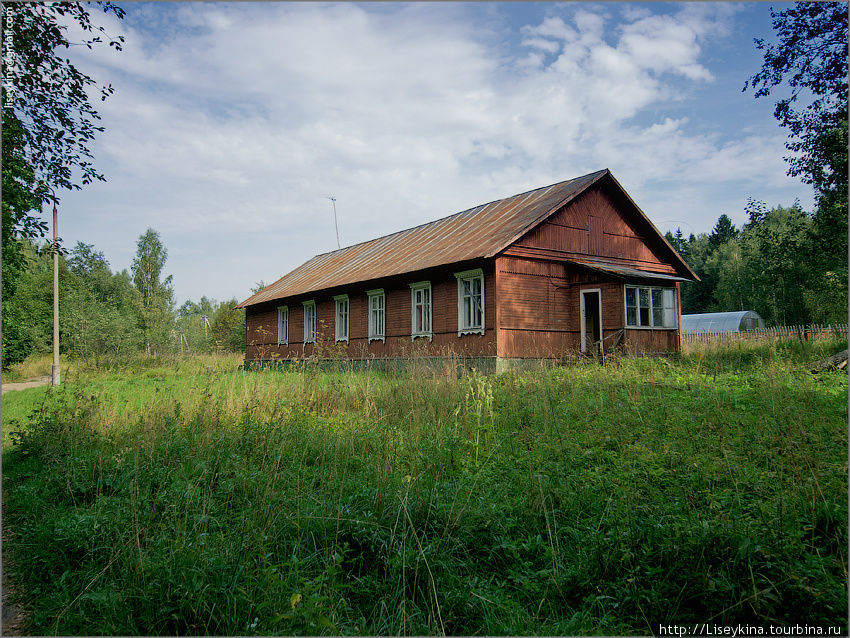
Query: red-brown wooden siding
{"points": [[593, 225], [532, 294], [261, 334], [539, 311]]}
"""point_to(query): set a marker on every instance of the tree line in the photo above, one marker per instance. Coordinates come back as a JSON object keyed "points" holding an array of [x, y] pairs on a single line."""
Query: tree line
{"points": [[106, 316], [48, 125], [789, 266], [775, 264]]}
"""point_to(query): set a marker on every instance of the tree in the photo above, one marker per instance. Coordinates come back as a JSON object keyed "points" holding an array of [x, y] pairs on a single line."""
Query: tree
{"points": [[811, 58], [706, 256], [21, 196], [677, 241], [84, 260], [156, 297], [224, 329], [48, 124], [45, 100], [775, 258], [733, 291], [98, 309], [697, 295], [723, 231], [228, 326]]}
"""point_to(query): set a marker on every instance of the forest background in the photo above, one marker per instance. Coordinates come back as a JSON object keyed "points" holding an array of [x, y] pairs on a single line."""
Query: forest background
{"points": [[786, 263]]}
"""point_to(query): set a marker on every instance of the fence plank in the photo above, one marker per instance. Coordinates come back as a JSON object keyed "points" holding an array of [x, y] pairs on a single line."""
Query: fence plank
{"points": [[807, 332]]}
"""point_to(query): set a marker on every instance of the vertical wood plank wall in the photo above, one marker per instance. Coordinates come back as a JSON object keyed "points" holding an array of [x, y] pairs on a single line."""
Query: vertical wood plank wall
{"points": [[594, 225]]}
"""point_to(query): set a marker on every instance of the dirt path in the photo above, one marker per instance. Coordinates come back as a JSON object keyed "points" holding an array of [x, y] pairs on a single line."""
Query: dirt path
{"points": [[12, 618], [23, 385], [11, 622]]}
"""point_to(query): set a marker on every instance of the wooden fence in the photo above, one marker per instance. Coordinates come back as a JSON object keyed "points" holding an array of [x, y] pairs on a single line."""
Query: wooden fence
{"points": [[778, 332]]}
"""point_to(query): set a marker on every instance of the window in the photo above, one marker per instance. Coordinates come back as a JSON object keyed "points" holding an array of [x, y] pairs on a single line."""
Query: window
{"points": [[377, 313], [470, 302], [282, 325], [341, 317], [420, 303], [650, 307], [309, 321]]}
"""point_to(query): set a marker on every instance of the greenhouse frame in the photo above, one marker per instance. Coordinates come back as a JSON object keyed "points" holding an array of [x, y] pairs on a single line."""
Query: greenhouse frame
{"points": [[739, 321]]}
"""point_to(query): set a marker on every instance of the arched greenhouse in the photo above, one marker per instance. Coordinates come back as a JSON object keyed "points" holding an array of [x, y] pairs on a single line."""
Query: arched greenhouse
{"points": [[740, 321]]}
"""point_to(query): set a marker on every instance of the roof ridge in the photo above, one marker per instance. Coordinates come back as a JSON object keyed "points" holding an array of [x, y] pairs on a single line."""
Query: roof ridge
{"points": [[439, 241], [434, 221]]}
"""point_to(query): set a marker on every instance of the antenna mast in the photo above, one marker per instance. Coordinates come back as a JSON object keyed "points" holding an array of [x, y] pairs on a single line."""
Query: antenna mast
{"points": [[336, 226]]}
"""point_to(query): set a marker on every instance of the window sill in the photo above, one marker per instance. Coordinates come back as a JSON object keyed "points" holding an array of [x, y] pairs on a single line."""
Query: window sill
{"points": [[424, 335], [648, 328], [338, 339], [470, 331], [381, 339]]}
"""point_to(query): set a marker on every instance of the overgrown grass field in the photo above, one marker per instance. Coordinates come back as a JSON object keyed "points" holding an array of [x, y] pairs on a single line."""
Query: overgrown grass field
{"points": [[192, 497]]}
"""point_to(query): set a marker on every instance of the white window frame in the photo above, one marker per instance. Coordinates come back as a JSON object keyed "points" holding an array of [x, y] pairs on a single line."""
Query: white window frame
{"points": [[283, 325], [651, 324], [343, 309], [418, 287], [463, 278], [309, 305], [374, 333]]}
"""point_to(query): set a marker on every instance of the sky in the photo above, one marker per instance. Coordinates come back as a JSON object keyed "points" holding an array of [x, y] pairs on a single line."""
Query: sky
{"points": [[232, 124]]}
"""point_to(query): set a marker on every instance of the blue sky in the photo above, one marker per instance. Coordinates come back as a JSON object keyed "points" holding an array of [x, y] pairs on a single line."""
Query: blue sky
{"points": [[232, 122]]}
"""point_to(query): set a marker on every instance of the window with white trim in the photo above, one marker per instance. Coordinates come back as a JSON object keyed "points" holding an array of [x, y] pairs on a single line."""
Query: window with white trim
{"points": [[650, 307], [309, 321], [470, 302], [282, 325], [377, 314], [420, 303], [341, 317]]}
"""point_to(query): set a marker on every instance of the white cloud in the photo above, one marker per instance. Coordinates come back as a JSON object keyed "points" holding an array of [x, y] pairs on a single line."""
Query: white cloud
{"points": [[228, 132]]}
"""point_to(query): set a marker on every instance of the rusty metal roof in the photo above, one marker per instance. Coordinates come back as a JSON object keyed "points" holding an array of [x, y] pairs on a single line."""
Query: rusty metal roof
{"points": [[482, 231]]}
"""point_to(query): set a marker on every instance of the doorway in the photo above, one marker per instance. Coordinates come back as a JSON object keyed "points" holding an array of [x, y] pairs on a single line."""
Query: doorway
{"points": [[591, 321]]}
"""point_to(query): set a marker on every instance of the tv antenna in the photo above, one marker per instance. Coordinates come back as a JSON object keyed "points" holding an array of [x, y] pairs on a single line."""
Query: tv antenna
{"points": [[336, 226]]}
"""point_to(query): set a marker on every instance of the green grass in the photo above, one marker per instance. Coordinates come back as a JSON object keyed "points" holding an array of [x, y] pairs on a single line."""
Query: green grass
{"points": [[200, 499]]}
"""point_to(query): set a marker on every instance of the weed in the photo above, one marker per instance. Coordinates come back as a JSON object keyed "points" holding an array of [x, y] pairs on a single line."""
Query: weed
{"points": [[194, 497]]}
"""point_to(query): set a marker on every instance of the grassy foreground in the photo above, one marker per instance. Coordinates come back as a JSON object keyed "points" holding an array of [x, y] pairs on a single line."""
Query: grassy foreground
{"points": [[194, 498]]}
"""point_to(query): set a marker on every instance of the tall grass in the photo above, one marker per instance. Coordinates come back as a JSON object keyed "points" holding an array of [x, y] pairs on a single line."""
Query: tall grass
{"points": [[580, 500]]}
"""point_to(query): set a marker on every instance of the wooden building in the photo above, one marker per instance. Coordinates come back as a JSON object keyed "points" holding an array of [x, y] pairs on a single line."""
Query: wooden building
{"points": [[572, 267]]}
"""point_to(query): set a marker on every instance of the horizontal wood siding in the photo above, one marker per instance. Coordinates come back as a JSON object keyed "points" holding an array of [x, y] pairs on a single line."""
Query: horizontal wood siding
{"points": [[539, 311], [540, 308], [650, 341], [594, 225], [261, 334]]}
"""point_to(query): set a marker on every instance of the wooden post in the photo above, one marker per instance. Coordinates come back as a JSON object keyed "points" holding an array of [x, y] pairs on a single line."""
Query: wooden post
{"points": [[55, 296]]}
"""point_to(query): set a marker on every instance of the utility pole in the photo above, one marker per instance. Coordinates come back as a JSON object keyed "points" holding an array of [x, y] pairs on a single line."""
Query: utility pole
{"points": [[333, 201], [55, 295]]}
